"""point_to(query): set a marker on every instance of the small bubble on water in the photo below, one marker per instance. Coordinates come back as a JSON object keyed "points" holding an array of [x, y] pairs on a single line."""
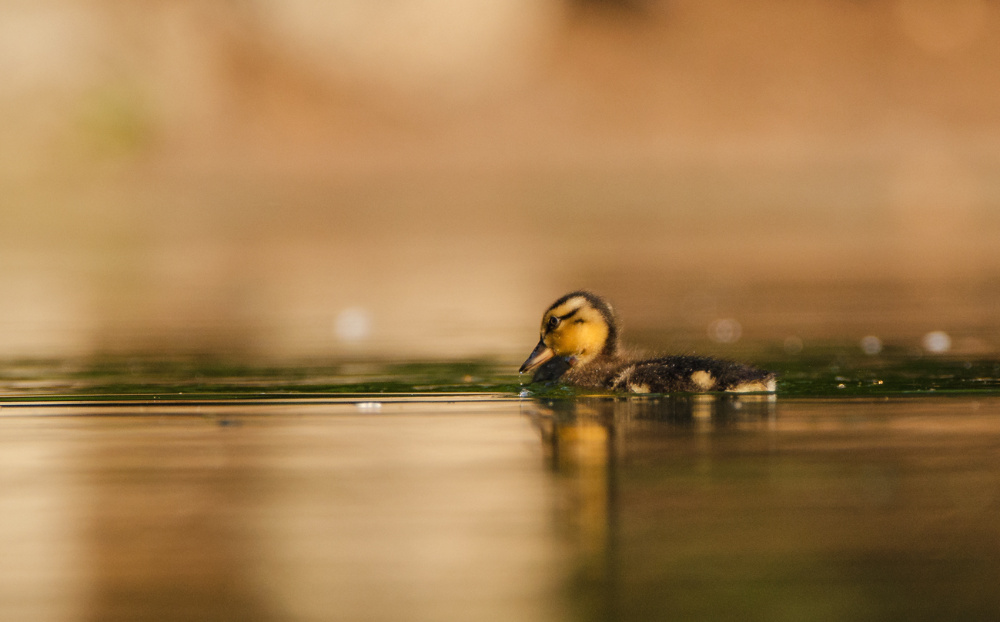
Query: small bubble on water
{"points": [[937, 342], [871, 345]]}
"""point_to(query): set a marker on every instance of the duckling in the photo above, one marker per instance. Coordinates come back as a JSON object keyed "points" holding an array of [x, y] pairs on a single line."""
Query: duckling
{"points": [[579, 345]]}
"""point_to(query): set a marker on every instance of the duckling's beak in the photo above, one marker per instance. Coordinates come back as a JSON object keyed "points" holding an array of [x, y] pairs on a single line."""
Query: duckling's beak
{"points": [[539, 355]]}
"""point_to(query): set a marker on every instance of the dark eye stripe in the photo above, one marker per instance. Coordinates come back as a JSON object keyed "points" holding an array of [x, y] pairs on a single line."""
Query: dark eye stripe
{"points": [[555, 320], [568, 315]]}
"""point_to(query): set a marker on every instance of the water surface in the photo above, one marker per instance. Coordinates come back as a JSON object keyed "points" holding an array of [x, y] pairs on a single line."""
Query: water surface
{"points": [[867, 489]]}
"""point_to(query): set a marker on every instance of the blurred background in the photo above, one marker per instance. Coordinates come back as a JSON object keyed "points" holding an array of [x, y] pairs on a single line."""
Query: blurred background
{"points": [[287, 179]]}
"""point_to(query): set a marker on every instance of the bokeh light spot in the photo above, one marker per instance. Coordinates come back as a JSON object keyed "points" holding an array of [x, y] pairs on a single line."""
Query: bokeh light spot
{"points": [[871, 345], [353, 324], [792, 344], [725, 330], [937, 342]]}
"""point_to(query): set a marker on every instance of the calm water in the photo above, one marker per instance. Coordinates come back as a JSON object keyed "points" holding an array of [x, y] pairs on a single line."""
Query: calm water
{"points": [[868, 489]]}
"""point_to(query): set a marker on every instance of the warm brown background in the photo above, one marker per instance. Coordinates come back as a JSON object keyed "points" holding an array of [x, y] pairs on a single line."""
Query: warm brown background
{"points": [[252, 177]]}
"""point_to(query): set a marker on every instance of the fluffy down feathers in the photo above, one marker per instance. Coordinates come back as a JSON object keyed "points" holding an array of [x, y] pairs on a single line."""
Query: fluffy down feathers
{"points": [[579, 346]]}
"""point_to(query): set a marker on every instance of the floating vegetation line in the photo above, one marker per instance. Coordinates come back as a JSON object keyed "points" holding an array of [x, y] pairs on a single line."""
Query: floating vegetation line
{"points": [[830, 373]]}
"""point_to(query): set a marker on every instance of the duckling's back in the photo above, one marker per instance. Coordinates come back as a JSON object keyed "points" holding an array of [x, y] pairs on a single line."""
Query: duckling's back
{"points": [[689, 374]]}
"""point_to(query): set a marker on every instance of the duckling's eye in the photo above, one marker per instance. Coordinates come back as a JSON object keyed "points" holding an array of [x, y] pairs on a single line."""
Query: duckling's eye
{"points": [[552, 323]]}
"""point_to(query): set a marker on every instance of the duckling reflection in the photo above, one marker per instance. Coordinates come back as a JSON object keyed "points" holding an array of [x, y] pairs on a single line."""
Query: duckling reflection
{"points": [[589, 430], [579, 442], [589, 444]]}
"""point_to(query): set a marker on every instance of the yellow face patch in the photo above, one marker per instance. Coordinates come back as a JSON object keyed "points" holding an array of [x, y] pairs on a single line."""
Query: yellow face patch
{"points": [[575, 328]]}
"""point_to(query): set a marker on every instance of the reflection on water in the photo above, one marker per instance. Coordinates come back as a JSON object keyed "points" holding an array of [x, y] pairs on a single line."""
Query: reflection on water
{"points": [[589, 444], [418, 511], [419, 517], [729, 508], [591, 508]]}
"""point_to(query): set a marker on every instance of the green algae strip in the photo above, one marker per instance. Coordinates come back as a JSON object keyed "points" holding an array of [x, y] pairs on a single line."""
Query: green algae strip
{"points": [[829, 373]]}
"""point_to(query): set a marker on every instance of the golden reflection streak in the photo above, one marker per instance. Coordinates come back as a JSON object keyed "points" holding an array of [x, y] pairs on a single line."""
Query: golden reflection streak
{"points": [[586, 439]]}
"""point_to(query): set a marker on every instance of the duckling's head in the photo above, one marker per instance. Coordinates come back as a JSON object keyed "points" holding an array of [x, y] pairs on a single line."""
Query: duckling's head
{"points": [[578, 327]]}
